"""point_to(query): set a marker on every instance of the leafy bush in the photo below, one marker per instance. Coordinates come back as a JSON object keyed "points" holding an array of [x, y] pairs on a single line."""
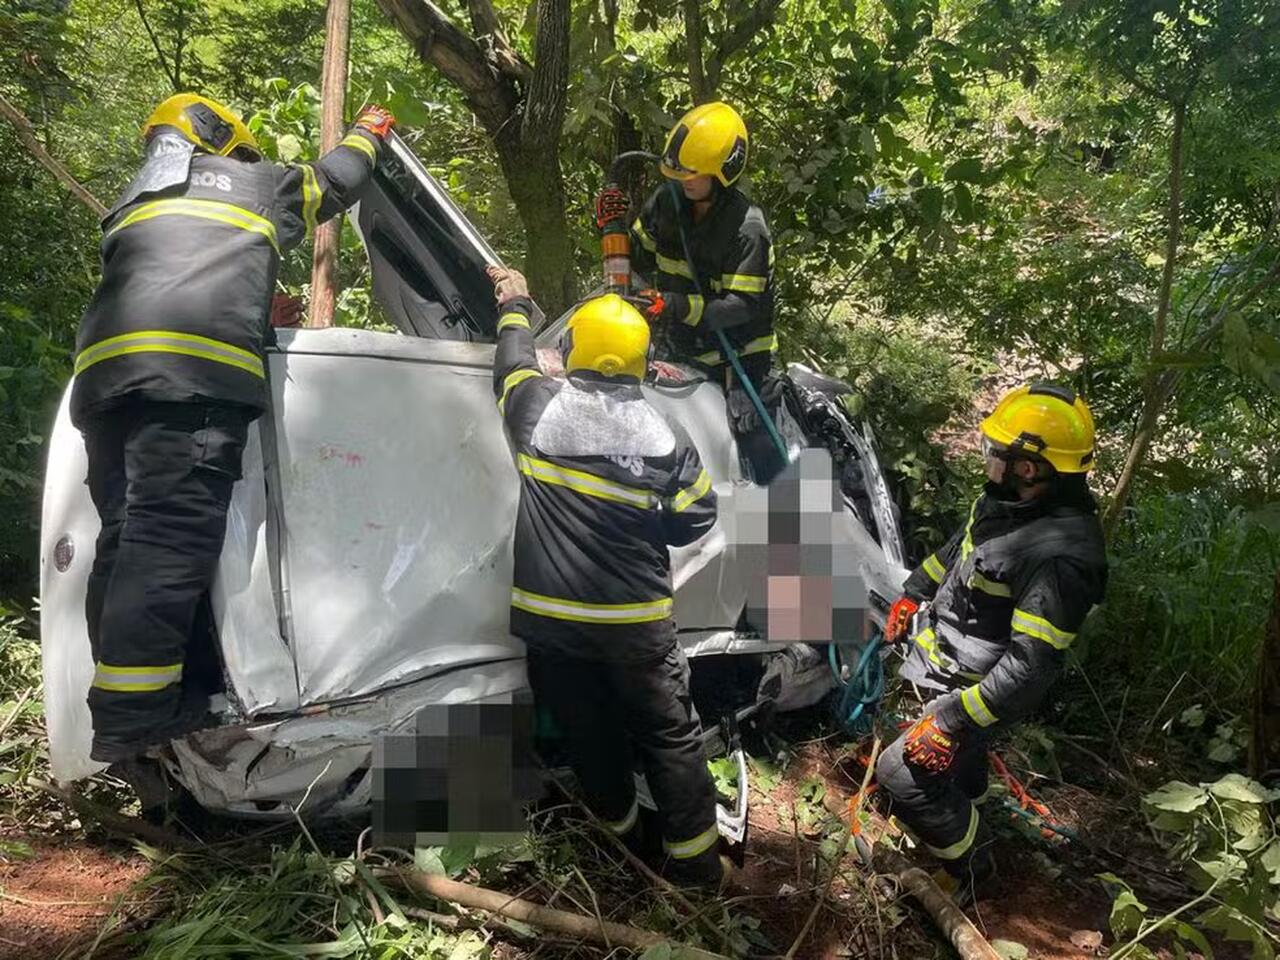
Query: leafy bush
{"points": [[1224, 835], [1188, 594]]}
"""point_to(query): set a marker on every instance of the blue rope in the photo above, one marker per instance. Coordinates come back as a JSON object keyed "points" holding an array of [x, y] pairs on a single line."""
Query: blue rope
{"points": [[860, 694]]}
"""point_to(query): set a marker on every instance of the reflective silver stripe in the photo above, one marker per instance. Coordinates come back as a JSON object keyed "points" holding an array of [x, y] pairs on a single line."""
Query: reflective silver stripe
{"points": [[687, 849], [509, 384], [136, 679], [961, 846], [512, 320], [1041, 629], [990, 587], [619, 827], [976, 707], [934, 568], [579, 481], [692, 493], [696, 306], [361, 144], [677, 267], [169, 341], [562, 609], [743, 283]]}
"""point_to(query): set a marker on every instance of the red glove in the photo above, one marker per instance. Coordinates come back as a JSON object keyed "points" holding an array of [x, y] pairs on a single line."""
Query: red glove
{"points": [[928, 747], [377, 120], [611, 206], [898, 621], [649, 302]]}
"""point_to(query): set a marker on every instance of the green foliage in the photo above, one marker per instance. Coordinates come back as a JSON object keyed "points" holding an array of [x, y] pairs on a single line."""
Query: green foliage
{"points": [[1224, 835]]}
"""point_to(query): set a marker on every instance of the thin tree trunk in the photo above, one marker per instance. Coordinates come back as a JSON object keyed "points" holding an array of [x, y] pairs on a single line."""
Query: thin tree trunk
{"points": [[693, 32], [1154, 397], [1264, 741], [333, 95], [22, 126], [537, 190]]}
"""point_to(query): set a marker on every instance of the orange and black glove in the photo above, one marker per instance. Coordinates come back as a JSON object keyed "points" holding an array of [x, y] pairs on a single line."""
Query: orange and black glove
{"points": [[611, 208], [377, 120], [898, 621], [928, 747], [651, 303]]}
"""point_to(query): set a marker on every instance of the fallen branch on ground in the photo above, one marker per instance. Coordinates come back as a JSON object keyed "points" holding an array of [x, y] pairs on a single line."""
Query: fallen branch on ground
{"points": [[959, 931], [559, 921], [115, 822]]}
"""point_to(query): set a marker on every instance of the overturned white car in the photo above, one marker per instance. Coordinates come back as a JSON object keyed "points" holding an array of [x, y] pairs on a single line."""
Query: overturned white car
{"points": [[367, 564]]}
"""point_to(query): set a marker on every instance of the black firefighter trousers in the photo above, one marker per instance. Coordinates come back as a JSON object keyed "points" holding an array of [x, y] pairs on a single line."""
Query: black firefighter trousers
{"points": [[610, 712], [161, 476], [940, 808]]}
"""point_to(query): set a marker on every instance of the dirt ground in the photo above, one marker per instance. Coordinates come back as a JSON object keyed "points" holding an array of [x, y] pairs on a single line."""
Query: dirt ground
{"points": [[60, 896], [1046, 899]]}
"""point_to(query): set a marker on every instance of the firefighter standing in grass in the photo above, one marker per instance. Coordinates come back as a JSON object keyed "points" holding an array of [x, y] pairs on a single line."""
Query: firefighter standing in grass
{"points": [[1007, 595], [169, 375], [606, 486], [706, 249]]}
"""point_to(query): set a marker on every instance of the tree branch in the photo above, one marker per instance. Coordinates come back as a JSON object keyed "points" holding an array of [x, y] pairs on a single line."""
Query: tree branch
{"points": [[758, 17], [155, 42], [22, 126], [545, 104], [439, 42], [489, 32], [693, 32]]}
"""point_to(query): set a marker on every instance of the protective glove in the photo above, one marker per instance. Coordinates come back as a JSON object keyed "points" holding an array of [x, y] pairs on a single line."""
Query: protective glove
{"points": [[377, 120], [611, 207], [652, 303], [898, 621], [286, 311], [928, 747]]}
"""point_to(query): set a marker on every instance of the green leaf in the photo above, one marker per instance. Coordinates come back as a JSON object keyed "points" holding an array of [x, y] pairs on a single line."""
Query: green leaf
{"points": [[288, 147], [1177, 797], [659, 951], [867, 140], [1226, 868], [1235, 786], [1194, 937], [966, 170], [1234, 925], [1193, 717], [1245, 822], [930, 202], [427, 859], [1010, 949], [1270, 860]]}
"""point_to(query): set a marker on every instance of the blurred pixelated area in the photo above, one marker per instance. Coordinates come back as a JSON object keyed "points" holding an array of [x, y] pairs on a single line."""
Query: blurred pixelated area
{"points": [[459, 774], [796, 546]]}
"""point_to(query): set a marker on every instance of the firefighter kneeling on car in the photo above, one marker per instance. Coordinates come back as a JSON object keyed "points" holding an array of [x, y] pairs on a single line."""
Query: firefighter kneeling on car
{"points": [[1005, 598]]}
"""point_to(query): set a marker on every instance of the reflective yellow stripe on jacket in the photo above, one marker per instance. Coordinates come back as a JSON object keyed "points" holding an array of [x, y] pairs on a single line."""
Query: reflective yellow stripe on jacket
{"points": [[743, 283], [136, 679], [512, 319], [1041, 629], [227, 213], [562, 609], [310, 197], [765, 344], [509, 384], [361, 144], [587, 484], [169, 341], [961, 846], [687, 849], [934, 568], [692, 493], [976, 707]]}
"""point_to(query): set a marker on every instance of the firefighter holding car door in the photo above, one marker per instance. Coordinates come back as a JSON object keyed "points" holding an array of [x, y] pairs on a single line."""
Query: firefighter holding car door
{"points": [[1006, 596], [606, 486], [707, 251], [169, 375]]}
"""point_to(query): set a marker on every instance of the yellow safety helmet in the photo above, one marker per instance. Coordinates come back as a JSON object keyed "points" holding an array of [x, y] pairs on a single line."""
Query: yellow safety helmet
{"points": [[608, 335], [709, 141], [204, 122], [1046, 422]]}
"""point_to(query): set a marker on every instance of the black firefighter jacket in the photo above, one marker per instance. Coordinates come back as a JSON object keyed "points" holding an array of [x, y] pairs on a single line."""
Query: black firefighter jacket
{"points": [[733, 288], [188, 271], [1009, 591], [606, 485]]}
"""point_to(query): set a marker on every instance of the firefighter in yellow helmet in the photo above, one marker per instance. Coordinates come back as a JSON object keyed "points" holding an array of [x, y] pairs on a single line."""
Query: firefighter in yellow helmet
{"points": [[706, 249], [989, 617], [169, 373], [607, 485]]}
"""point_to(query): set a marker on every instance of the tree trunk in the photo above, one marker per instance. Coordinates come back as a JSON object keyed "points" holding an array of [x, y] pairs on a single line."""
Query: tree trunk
{"points": [[1154, 397], [537, 189], [333, 96], [1264, 742], [693, 47]]}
